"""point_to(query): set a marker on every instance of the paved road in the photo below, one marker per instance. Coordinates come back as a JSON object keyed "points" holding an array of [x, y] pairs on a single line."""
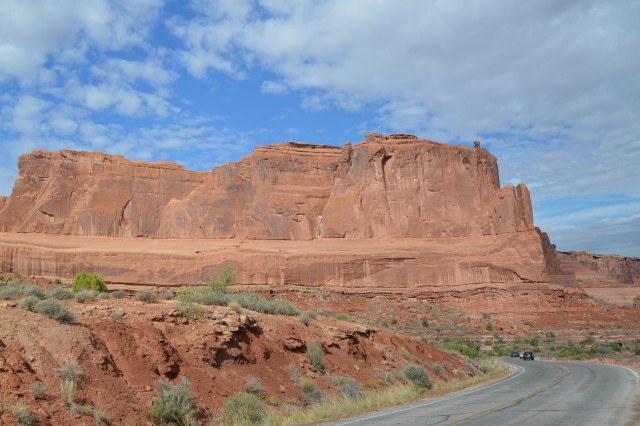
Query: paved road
{"points": [[538, 393]]}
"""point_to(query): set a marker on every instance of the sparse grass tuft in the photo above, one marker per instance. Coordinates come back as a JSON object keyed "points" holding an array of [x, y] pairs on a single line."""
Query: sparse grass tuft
{"points": [[244, 409], [315, 353], [173, 404], [38, 389], [116, 315], [254, 387], [167, 294], [119, 294]]}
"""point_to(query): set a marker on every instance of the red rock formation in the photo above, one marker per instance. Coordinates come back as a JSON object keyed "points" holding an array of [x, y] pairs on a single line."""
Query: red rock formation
{"points": [[601, 270], [391, 212], [385, 187]]}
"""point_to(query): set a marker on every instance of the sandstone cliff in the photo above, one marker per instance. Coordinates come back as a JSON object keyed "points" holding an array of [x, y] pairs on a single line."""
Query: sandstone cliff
{"points": [[601, 270], [394, 186], [391, 212]]}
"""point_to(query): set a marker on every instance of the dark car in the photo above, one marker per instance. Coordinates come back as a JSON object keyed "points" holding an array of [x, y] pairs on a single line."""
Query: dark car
{"points": [[515, 354], [528, 355]]}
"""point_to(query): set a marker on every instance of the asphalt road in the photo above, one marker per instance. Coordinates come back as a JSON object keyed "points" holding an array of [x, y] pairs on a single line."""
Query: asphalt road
{"points": [[538, 393]]}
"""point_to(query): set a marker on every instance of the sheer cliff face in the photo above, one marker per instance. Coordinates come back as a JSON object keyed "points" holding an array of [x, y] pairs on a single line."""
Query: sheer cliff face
{"points": [[384, 187]]}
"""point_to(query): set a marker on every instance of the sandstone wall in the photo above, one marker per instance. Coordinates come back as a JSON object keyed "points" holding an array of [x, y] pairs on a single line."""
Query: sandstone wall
{"points": [[394, 186], [416, 264], [601, 270]]}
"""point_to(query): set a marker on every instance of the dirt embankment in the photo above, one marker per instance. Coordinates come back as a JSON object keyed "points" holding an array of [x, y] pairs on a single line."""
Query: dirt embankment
{"points": [[122, 355]]}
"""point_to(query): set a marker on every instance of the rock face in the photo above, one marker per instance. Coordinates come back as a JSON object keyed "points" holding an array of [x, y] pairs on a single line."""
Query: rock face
{"points": [[601, 270], [391, 212], [396, 186]]}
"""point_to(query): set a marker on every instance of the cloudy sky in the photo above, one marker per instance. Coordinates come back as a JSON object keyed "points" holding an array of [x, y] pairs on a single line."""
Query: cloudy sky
{"points": [[551, 87]]}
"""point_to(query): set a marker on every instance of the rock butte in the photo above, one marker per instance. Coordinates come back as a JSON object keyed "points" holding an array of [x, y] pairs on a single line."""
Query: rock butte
{"points": [[389, 213]]}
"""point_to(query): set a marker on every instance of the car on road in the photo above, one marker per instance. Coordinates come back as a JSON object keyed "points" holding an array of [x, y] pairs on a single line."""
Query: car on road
{"points": [[527, 355], [515, 354]]}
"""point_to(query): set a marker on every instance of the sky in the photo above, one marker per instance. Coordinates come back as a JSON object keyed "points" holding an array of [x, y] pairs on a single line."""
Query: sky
{"points": [[551, 87]]}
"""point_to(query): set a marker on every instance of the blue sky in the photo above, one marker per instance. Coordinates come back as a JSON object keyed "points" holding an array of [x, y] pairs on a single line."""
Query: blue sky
{"points": [[551, 87]]}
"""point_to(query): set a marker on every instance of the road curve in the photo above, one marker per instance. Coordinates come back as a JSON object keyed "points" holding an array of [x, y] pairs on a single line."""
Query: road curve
{"points": [[539, 392]]}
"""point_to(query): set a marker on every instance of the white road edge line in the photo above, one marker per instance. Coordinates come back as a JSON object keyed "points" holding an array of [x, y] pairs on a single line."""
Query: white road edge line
{"points": [[635, 373], [437, 400]]}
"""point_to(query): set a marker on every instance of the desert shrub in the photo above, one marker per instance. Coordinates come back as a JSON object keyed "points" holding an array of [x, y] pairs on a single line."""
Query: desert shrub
{"points": [[119, 294], [425, 322], [35, 291], [71, 371], [208, 296], [487, 365], [244, 409], [167, 294], [85, 295], [38, 390], [257, 303], [57, 281], [417, 375], [234, 306], [173, 404], [187, 304], [28, 303], [294, 372], [20, 412], [90, 281], [116, 315], [439, 371], [99, 415], [225, 278], [315, 354], [464, 349], [310, 392], [345, 317], [617, 347], [489, 327], [305, 318], [486, 316], [54, 310], [348, 386], [11, 290], [254, 387], [146, 296], [60, 294]]}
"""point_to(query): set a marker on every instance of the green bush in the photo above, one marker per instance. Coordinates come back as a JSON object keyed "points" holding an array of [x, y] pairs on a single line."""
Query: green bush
{"points": [[90, 281], [417, 375], [617, 347], [464, 349], [54, 310], [146, 296], [85, 295], [60, 293], [225, 278], [173, 404], [425, 322], [244, 409], [234, 306], [315, 353]]}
